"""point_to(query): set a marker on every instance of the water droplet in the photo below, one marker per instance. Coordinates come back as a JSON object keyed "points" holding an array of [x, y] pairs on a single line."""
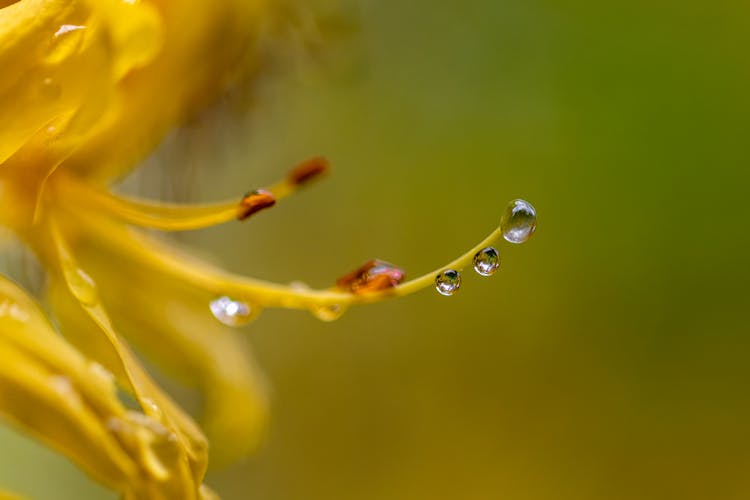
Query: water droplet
{"points": [[83, 286], [329, 312], [231, 312], [487, 261], [102, 373], [448, 282], [373, 276], [50, 89], [67, 28], [9, 309], [150, 408], [299, 286], [67, 40], [518, 222], [62, 385]]}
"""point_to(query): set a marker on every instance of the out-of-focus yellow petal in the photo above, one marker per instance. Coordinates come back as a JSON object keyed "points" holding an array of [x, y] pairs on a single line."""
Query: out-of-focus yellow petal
{"points": [[186, 453], [4, 495], [175, 329], [83, 319], [61, 63], [204, 46], [52, 391], [56, 394]]}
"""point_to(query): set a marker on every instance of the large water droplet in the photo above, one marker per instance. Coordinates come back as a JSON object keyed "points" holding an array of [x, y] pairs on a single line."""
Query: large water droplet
{"points": [[448, 282], [487, 261], [231, 312], [329, 312], [518, 222]]}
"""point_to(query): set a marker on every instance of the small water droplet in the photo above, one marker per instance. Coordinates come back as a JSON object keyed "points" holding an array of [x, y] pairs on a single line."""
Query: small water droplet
{"points": [[68, 28], [9, 309], [329, 312], [50, 89], [448, 282], [231, 312], [83, 287], [66, 41], [102, 373], [518, 222], [487, 261], [150, 408], [299, 286]]}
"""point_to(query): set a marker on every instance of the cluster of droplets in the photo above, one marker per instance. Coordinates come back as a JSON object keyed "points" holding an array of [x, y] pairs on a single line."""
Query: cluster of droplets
{"points": [[517, 226]]}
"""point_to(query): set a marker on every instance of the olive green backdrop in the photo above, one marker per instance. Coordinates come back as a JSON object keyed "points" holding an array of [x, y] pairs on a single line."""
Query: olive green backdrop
{"points": [[608, 359]]}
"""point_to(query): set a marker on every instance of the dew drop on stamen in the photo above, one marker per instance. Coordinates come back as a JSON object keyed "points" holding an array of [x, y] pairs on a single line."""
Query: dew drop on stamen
{"points": [[328, 312], [231, 312], [448, 282], [519, 221], [487, 262]]}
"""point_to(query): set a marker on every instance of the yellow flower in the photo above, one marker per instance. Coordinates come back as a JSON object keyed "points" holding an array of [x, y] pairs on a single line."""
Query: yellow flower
{"points": [[90, 87]]}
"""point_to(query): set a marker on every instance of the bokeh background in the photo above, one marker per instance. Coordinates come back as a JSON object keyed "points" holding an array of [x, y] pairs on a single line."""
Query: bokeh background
{"points": [[608, 359]]}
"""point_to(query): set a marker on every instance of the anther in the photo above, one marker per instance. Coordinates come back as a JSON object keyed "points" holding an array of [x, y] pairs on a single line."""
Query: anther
{"points": [[373, 276], [254, 202], [308, 170]]}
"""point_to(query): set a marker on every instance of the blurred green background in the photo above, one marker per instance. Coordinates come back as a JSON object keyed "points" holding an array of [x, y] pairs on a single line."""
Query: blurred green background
{"points": [[608, 359]]}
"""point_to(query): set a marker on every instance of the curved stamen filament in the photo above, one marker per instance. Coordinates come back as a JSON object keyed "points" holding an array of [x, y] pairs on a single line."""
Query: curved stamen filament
{"points": [[261, 293], [275, 295], [178, 217]]}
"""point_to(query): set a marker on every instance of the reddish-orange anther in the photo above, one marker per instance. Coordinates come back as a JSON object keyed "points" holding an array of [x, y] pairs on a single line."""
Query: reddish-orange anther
{"points": [[373, 276], [254, 202], [308, 170]]}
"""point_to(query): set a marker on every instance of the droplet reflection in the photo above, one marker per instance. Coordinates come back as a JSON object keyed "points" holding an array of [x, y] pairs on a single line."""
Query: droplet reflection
{"points": [[448, 282], [487, 262], [330, 312], [518, 222], [231, 312]]}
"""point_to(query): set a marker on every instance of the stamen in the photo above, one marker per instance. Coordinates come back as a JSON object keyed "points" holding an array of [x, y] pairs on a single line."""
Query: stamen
{"points": [[373, 276], [179, 217], [254, 202], [308, 170], [372, 282]]}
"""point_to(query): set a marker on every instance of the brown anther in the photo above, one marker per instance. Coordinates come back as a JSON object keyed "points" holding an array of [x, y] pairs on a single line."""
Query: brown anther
{"points": [[254, 202], [308, 170], [373, 276]]}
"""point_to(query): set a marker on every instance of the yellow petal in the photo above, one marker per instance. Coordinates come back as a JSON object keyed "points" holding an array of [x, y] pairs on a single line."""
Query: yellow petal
{"points": [[204, 44], [56, 394], [4, 495], [174, 328], [75, 298]]}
